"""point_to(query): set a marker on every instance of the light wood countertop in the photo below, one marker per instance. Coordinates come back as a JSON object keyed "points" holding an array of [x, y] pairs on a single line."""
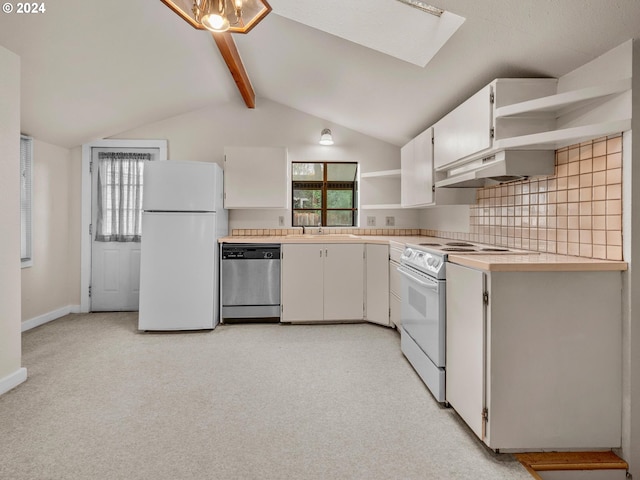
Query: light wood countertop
{"points": [[536, 262], [521, 262], [309, 238]]}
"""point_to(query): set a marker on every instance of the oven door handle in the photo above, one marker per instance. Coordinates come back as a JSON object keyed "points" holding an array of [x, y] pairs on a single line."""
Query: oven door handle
{"points": [[430, 286]]}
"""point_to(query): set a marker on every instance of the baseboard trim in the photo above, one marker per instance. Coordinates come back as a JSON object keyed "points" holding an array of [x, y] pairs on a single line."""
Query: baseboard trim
{"points": [[13, 380], [49, 316]]}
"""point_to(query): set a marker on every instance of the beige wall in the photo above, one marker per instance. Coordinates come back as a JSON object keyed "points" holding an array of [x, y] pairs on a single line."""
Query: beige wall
{"points": [[75, 219], [45, 286], [203, 134], [631, 285], [10, 346]]}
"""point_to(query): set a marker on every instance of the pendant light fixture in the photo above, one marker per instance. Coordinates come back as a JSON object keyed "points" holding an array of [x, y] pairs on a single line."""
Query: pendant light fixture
{"points": [[325, 137], [235, 16]]}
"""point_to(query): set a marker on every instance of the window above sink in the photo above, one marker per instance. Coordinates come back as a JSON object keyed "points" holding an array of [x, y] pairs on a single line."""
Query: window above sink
{"points": [[324, 194]]}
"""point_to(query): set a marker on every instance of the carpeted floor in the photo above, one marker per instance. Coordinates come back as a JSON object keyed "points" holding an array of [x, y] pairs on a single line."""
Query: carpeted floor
{"points": [[245, 401]]}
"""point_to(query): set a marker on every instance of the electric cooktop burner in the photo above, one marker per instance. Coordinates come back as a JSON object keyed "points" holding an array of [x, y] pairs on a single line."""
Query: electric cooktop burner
{"points": [[460, 244], [430, 244], [458, 249]]}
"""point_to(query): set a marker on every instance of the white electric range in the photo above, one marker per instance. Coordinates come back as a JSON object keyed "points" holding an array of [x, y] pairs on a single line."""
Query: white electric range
{"points": [[423, 305]]}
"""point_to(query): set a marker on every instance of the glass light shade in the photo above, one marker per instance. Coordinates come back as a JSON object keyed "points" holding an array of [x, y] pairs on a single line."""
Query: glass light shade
{"points": [[214, 15], [325, 137], [215, 23], [234, 16]]}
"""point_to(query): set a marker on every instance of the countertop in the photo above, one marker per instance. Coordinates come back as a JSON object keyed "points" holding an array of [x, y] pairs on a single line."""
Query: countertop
{"points": [[308, 238], [537, 262], [520, 262]]}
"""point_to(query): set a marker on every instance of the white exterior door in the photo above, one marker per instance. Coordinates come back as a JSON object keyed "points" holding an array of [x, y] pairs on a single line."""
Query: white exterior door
{"points": [[115, 266]]}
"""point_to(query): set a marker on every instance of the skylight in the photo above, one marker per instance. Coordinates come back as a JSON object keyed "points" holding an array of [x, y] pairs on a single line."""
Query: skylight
{"points": [[383, 25], [425, 7]]}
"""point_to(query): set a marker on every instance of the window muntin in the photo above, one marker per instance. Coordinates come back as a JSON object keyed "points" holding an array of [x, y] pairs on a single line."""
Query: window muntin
{"points": [[324, 193]]}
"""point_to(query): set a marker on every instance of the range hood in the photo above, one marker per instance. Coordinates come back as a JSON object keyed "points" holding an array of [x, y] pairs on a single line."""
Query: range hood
{"points": [[502, 167]]}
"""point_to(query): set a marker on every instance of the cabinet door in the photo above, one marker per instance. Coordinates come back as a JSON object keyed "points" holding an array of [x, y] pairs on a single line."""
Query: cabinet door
{"points": [[407, 162], [465, 130], [302, 282], [416, 167], [422, 183], [465, 386], [377, 283], [256, 177], [344, 281]]}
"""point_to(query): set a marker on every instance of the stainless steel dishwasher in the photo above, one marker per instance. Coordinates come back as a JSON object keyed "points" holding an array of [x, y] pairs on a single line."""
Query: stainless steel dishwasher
{"points": [[250, 282]]}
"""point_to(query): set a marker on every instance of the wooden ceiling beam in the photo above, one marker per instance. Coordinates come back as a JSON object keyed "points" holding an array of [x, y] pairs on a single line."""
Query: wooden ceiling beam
{"points": [[231, 56]]}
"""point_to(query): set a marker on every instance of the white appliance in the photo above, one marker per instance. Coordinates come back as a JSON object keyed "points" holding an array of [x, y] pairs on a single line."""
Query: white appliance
{"points": [[182, 218], [423, 306], [423, 319]]}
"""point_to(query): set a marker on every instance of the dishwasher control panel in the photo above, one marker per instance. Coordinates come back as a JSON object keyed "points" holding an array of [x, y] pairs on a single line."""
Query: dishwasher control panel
{"points": [[250, 252]]}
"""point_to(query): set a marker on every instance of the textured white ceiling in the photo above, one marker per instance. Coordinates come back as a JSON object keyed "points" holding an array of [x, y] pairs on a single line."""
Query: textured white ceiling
{"points": [[95, 69]]}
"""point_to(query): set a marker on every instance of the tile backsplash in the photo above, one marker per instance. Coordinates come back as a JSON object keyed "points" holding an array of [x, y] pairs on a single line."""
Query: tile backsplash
{"points": [[577, 211]]}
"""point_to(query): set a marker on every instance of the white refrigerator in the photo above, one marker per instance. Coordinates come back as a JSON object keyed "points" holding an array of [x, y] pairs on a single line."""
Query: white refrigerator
{"points": [[182, 218]]}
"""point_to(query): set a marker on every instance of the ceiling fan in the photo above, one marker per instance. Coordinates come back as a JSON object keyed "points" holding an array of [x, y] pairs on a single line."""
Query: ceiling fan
{"points": [[221, 18]]}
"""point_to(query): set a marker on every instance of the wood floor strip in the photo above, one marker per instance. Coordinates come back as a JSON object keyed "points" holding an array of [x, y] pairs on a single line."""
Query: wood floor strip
{"points": [[545, 461]]}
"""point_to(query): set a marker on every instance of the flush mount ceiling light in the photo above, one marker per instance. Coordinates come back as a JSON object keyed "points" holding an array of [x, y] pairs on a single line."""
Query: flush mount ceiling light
{"points": [[325, 137], [235, 16], [425, 7]]}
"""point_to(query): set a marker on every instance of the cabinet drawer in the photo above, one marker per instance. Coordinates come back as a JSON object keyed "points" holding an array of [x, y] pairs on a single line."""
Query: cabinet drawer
{"points": [[395, 254], [394, 309], [394, 279]]}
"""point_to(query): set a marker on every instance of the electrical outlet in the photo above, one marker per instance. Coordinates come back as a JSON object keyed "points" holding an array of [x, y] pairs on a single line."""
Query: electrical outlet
{"points": [[371, 221], [281, 221], [390, 221]]}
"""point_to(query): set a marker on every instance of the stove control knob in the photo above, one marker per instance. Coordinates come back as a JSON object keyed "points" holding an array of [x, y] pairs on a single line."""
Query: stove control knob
{"points": [[435, 263], [430, 261]]}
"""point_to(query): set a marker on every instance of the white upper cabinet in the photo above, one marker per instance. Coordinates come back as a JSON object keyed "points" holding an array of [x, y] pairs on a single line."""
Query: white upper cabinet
{"points": [[472, 129], [416, 159], [418, 177], [529, 114], [465, 130], [256, 177]]}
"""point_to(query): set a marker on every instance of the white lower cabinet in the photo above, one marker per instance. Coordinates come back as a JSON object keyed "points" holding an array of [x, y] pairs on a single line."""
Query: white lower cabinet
{"points": [[322, 282], [533, 358], [377, 283], [395, 251]]}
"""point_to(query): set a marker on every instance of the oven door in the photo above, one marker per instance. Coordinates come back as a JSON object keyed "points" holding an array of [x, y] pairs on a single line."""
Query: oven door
{"points": [[423, 312]]}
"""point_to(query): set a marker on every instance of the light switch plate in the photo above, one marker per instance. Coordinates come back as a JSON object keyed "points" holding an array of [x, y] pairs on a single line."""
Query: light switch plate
{"points": [[390, 221], [371, 221], [281, 221]]}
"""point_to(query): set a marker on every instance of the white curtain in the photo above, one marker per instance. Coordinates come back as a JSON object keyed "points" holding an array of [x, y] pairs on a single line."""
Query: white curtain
{"points": [[120, 196]]}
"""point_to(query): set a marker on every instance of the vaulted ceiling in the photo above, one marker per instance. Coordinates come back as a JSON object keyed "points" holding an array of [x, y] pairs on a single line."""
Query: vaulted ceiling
{"points": [[95, 69]]}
